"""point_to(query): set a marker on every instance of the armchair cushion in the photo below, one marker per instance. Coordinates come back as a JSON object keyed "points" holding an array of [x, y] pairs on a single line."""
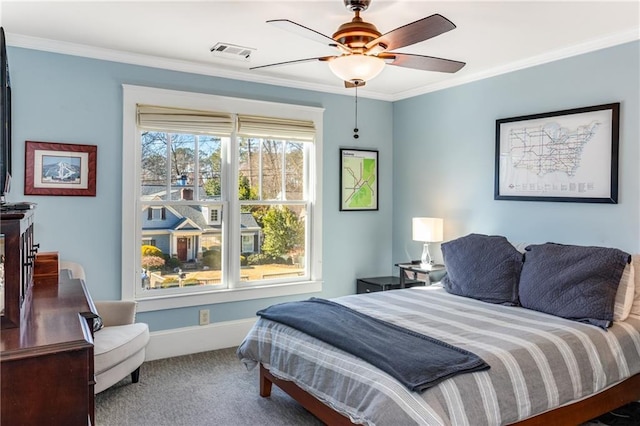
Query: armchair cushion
{"points": [[113, 344]]}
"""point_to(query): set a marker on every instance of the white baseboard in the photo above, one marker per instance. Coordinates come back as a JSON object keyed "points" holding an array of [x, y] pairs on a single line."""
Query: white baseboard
{"points": [[200, 338]]}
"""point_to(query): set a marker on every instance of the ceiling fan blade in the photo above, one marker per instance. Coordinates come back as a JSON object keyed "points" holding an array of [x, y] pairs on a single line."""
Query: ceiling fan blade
{"points": [[420, 62], [420, 30], [303, 31], [297, 61]]}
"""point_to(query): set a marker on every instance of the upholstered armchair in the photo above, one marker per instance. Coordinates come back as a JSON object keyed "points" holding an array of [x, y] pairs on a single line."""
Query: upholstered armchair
{"points": [[119, 345]]}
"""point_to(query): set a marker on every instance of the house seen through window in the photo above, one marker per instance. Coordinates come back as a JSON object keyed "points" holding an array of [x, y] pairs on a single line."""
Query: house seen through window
{"points": [[181, 189]]}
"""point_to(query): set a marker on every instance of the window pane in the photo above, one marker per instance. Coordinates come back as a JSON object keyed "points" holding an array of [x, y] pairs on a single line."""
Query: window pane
{"points": [[249, 168], [210, 164], [294, 171], [186, 250], [182, 152], [272, 172], [153, 170], [273, 242]]}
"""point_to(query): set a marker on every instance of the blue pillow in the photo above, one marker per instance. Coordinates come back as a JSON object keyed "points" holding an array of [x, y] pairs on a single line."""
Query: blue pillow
{"points": [[573, 282], [482, 267]]}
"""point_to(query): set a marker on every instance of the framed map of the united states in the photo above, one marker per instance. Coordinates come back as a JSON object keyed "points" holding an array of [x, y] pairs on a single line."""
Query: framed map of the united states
{"points": [[569, 155]]}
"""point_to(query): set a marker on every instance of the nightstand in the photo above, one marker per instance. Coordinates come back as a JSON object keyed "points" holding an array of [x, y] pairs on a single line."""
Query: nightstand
{"points": [[370, 285], [415, 272]]}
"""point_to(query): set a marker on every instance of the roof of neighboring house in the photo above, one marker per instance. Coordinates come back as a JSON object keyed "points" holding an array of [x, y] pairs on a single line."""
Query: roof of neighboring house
{"points": [[159, 192], [247, 221], [194, 214]]}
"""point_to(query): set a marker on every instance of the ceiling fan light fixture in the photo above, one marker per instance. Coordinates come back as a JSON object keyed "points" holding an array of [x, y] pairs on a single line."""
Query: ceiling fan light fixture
{"points": [[356, 67]]}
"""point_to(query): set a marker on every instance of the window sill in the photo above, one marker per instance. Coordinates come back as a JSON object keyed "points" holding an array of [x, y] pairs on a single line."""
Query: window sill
{"points": [[158, 303]]}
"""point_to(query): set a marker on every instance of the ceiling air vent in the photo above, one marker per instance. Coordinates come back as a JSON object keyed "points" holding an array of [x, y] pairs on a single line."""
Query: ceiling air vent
{"points": [[232, 51]]}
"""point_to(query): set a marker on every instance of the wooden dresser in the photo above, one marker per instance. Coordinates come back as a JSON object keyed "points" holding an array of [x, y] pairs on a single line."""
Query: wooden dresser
{"points": [[46, 363], [17, 251]]}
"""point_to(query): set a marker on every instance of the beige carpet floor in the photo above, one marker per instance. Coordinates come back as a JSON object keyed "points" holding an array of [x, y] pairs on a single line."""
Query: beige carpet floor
{"points": [[209, 388], [214, 388]]}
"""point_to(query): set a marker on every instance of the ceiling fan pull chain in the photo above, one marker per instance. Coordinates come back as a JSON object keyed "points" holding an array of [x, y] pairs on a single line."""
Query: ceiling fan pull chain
{"points": [[355, 129]]}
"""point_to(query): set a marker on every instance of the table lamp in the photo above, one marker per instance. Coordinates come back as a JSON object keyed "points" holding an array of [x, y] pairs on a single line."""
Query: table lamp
{"points": [[428, 230]]}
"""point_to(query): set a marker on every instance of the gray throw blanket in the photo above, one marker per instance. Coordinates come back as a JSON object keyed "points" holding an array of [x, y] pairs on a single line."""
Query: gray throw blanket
{"points": [[417, 361]]}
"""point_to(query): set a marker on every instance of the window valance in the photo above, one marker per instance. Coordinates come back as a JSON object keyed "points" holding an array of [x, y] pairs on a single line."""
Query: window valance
{"points": [[152, 117], [184, 120], [277, 128]]}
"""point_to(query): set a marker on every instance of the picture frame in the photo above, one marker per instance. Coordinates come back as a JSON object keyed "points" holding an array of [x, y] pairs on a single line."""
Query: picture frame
{"points": [[561, 156], [358, 179], [60, 169]]}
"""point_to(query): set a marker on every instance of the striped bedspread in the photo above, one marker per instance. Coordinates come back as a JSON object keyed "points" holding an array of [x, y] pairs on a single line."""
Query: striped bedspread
{"points": [[538, 361]]}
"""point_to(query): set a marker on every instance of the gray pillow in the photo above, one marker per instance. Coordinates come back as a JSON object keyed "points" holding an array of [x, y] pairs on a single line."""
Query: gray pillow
{"points": [[482, 267], [573, 282]]}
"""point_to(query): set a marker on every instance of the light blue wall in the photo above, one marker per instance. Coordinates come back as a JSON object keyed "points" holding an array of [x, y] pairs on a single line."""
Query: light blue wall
{"points": [[60, 98], [444, 151], [436, 159]]}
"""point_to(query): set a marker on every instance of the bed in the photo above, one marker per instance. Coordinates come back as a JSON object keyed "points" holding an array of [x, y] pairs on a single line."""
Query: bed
{"points": [[542, 367]]}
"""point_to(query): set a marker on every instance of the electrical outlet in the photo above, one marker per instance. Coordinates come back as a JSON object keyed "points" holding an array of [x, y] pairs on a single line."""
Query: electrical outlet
{"points": [[204, 316]]}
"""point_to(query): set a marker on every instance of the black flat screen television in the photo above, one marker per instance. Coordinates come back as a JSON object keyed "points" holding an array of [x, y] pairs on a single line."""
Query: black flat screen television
{"points": [[5, 120]]}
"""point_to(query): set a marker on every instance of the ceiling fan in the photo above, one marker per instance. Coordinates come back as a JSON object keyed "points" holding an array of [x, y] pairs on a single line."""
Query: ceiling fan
{"points": [[364, 51]]}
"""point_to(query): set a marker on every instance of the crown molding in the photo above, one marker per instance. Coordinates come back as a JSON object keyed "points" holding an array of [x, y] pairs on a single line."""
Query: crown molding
{"points": [[555, 55], [210, 69], [47, 45]]}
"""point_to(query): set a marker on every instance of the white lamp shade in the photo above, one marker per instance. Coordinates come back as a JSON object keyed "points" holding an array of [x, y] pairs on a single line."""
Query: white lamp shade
{"points": [[427, 229], [356, 67]]}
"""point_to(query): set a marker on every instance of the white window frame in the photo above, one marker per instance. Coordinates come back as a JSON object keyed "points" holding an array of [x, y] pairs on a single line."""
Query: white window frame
{"points": [[131, 220]]}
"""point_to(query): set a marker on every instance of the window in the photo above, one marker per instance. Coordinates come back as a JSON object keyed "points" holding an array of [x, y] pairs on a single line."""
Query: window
{"points": [[248, 243], [156, 213], [229, 195], [214, 216], [148, 241]]}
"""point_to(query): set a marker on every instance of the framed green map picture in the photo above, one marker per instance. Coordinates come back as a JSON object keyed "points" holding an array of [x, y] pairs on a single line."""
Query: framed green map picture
{"points": [[358, 179]]}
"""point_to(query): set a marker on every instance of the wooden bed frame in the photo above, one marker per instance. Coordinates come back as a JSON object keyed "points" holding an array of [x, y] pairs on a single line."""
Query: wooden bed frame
{"points": [[569, 415]]}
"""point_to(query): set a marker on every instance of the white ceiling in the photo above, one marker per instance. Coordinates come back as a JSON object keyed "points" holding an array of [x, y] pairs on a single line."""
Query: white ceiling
{"points": [[491, 37]]}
